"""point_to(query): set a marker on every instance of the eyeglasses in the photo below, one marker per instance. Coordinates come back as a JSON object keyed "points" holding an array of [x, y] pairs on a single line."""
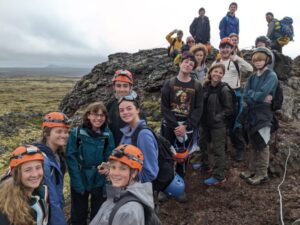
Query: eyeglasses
{"points": [[128, 98], [65, 120], [119, 153], [101, 115], [29, 150]]}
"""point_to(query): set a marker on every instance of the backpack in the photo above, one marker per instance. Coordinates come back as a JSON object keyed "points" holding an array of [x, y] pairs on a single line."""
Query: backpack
{"points": [[285, 27], [151, 217], [171, 45], [277, 100], [165, 159]]}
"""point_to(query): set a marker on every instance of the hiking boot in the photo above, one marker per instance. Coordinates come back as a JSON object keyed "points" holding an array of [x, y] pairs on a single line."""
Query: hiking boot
{"points": [[162, 197], [181, 198], [246, 174], [256, 180], [214, 181]]}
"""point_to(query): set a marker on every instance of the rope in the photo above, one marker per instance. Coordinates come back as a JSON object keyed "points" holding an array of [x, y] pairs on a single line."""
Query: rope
{"points": [[278, 188]]}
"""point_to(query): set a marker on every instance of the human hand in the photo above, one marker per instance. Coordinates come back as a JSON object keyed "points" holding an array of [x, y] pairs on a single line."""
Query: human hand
{"points": [[175, 31], [180, 130], [103, 168], [268, 99]]}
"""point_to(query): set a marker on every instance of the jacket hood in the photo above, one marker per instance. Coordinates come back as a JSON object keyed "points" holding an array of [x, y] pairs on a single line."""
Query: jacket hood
{"points": [[142, 191]]}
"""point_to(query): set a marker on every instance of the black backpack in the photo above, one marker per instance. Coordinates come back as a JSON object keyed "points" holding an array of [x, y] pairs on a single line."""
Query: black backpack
{"points": [[278, 98], [165, 159], [151, 217]]}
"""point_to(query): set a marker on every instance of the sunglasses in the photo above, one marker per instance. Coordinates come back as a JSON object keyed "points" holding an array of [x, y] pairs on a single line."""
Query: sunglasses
{"points": [[128, 98], [29, 150], [66, 120], [119, 153]]}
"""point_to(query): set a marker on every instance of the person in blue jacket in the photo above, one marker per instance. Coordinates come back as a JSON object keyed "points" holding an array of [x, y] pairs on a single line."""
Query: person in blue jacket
{"points": [[229, 23], [89, 145], [54, 137], [129, 112], [258, 95]]}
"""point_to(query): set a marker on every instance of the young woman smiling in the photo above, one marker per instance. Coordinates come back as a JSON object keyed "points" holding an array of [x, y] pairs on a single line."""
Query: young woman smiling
{"points": [[23, 198], [129, 112], [88, 146]]}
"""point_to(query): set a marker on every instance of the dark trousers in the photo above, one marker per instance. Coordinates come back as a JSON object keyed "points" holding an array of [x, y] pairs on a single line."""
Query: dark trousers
{"points": [[80, 205], [218, 138]]}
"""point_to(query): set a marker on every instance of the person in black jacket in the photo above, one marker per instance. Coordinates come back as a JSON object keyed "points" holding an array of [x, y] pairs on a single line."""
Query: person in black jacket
{"points": [[218, 107], [200, 28]]}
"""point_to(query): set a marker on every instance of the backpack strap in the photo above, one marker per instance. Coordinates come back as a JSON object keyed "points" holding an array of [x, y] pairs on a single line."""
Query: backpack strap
{"points": [[122, 201], [134, 136]]}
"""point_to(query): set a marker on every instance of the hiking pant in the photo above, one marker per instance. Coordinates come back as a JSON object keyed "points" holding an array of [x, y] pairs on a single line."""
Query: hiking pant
{"points": [[259, 161], [80, 205], [169, 134], [217, 137]]}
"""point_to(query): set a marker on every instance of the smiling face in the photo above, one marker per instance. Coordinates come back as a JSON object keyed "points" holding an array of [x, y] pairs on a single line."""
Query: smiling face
{"points": [[97, 119], [216, 75], [129, 113], [186, 66], [121, 88], [32, 174], [119, 173], [58, 137], [225, 51]]}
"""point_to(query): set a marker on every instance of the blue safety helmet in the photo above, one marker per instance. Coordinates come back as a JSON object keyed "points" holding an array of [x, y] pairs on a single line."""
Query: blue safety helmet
{"points": [[176, 187]]}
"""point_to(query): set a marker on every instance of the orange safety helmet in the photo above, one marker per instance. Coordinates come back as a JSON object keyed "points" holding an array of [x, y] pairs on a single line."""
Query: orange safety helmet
{"points": [[129, 155], [24, 154], [56, 119], [123, 76], [226, 41]]}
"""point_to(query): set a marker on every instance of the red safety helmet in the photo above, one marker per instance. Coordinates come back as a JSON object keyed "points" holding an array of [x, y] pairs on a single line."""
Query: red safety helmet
{"points": [[123, 76], [24, 154], [129, 155], [56, 119], [226, 41]]}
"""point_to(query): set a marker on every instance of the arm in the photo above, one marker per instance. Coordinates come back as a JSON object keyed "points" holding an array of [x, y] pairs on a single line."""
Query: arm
{"points": [[208, 29], [244, 65], [166, 107], [222, 27], [226, 102], [73, 164], [271, 27], [110, 146], [57, 216], [148, 144], [169, 37], [193, 27], [238, 26]]}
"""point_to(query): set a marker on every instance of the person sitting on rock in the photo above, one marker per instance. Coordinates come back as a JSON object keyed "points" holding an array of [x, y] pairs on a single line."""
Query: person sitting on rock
{"points": [[258, 94], [122, 86], [190, 42], [176, 43], [265, 42]]}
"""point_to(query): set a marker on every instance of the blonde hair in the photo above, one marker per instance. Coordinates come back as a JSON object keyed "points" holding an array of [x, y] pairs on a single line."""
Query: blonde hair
{"points": [[14, 200], [199, 47], [208, 75], [258, 56]]}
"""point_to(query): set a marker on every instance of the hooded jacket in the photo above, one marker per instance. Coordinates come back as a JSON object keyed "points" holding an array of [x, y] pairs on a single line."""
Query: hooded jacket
{"points": [[54, 170], [131, 212], [200, 29], [229, 24], [83, 162], [149, 147]]}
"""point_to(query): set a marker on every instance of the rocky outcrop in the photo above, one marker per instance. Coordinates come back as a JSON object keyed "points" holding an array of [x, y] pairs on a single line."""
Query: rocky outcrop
{"points": [[151, 67]]}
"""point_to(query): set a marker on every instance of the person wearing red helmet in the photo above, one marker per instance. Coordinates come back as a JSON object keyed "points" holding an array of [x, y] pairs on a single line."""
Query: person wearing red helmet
{"points": [[54, 138], [125, 162], [235, 67], [22, 191], [122, 86]]}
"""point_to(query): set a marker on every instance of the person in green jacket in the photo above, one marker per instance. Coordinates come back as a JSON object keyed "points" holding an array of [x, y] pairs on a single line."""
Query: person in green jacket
{"points": [[88, 146]]}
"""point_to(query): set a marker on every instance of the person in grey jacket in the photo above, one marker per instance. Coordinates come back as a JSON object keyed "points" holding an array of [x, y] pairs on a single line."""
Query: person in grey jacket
{"points": [[124, 164]]}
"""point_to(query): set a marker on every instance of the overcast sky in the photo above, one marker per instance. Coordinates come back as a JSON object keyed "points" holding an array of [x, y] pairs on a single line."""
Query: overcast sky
{"points": [[83, 33]]}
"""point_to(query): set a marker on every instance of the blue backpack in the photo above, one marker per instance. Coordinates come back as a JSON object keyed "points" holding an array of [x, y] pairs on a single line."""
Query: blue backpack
{"points": [[285, 27]]}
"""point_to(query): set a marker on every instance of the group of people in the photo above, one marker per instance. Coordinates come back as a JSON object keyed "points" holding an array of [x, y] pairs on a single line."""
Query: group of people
{"points": [[112, 154]]}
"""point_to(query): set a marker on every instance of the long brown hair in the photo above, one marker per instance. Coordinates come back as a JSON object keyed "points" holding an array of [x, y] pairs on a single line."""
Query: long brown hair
{"points": [[45, 134], [94, 108], [207, 79], [14, 200]]}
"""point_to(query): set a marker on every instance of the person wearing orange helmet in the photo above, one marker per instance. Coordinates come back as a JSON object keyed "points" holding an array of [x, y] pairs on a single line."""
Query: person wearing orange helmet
{"points": [[54, 138], [122, 86], [22, 191], [125, 162], [89, 145], [235, 66]]}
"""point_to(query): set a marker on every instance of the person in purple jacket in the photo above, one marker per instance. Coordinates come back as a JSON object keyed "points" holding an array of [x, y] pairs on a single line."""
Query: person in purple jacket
{"points": [[129, 110]]}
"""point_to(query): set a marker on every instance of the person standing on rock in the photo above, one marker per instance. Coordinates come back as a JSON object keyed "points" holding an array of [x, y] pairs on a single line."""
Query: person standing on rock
{"points": [[122, 85], [200, 28], [181, 115], [258, 94], [54, 138], [23, 197], [89, 145], [230, 23]]}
